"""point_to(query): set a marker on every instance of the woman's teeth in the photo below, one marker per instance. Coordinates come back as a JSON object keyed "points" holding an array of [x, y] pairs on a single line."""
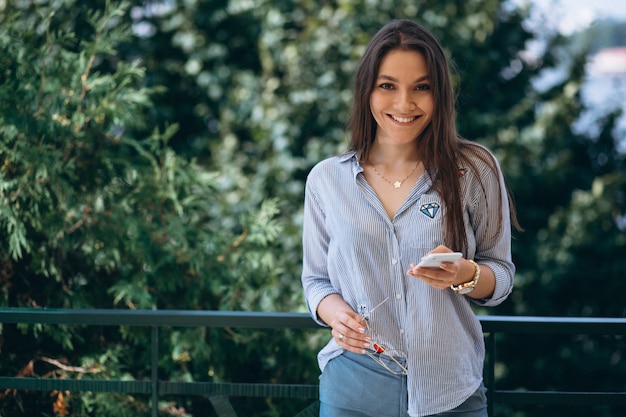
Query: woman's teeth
{"points": [[403, 119]]}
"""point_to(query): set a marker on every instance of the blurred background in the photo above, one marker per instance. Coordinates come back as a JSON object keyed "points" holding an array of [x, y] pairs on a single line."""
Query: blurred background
{"points": [[153, 156]]}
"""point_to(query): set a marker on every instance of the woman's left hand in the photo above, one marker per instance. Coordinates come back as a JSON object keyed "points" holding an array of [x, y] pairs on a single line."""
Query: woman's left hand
{"points": [[441, 278]]}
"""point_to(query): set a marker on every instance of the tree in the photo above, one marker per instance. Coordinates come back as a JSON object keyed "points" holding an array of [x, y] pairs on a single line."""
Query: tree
{"points": [[98, 211]]}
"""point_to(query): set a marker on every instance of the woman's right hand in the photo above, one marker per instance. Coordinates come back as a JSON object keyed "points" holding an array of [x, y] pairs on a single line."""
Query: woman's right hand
{"points": [[348, 327]]}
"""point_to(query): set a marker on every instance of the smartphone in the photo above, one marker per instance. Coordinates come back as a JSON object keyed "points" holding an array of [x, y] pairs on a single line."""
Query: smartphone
{"points": [[434, 259]]}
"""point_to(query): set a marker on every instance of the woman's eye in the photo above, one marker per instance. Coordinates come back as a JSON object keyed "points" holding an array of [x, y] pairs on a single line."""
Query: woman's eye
{"points": [[386, 86], [423, 87]]}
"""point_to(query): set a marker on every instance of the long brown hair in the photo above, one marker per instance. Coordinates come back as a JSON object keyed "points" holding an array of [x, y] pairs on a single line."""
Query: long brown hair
{"points": [[440, 147]]}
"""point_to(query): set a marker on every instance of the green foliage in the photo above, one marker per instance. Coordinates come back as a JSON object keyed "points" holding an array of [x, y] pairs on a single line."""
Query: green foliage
{"points": [[94, 214]]}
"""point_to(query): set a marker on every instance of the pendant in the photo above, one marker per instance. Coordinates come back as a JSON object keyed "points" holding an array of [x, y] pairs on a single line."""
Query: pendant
{"points": [[397, 184]]}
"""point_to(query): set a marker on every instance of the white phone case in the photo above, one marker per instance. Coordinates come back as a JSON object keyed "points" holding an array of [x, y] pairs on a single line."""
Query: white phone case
{"points": [[434, 259]]}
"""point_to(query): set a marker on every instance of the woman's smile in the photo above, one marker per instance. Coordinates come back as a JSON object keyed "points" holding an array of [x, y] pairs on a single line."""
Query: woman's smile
{"points": [[403, 120]]}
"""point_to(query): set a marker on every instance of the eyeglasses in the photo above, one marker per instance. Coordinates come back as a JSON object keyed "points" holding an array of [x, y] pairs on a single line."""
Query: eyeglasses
{"points": [[391, 359]]}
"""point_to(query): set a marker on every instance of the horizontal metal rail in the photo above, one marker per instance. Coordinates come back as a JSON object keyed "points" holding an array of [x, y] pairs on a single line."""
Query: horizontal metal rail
{"points": [[160, 318], [164, 387], [189, 318], [217, 392]]}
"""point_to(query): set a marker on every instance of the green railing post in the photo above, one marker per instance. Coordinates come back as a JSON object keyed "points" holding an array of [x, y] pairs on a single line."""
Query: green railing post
{"points": [[155, 371], [491, 374]]}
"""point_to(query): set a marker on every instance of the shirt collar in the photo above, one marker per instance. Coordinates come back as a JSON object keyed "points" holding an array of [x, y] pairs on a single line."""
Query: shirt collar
{"points": [[350, 157]]}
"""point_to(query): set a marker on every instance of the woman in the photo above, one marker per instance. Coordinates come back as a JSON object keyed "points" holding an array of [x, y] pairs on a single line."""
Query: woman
{"points": [[405, 341]]}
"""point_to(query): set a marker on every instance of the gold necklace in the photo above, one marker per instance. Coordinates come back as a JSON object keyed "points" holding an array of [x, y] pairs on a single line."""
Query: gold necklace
{"points": [[396, 184]]}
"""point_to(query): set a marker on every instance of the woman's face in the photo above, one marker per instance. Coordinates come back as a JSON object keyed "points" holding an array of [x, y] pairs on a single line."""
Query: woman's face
{"points": [[401, 102]]}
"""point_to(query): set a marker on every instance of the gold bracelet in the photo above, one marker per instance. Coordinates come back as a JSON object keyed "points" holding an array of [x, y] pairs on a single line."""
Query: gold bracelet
{"points": [[468, 286]]}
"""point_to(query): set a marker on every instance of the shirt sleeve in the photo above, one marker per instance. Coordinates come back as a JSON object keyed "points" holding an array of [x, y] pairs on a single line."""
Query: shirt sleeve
{"points": [[315, 240], [493, 237]]}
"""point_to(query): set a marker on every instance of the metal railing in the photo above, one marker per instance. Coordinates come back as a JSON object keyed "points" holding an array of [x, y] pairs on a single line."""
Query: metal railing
{"points": [[219, 393], [493, 325]]}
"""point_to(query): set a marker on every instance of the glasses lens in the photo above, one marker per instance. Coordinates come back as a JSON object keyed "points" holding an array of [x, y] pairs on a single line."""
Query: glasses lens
{"points": [[394, 360]]}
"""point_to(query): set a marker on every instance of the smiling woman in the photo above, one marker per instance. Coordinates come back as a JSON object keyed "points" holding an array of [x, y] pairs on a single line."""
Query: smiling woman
{"points": [[373, 212]]}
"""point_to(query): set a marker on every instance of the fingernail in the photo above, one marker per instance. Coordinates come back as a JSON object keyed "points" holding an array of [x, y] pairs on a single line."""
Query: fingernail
{"points": [[361, 329]]}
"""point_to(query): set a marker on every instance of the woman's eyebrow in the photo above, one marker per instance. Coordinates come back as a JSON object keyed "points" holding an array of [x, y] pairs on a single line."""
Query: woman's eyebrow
{"points": [[390, 78]]}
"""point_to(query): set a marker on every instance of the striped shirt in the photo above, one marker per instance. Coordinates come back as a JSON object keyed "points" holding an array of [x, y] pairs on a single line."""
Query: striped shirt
{"points": [[352, 248]]}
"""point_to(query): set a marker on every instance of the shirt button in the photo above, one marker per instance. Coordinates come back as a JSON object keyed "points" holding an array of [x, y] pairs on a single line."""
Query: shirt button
{"points": [[394, 261], [398, 296], [401, 331]]}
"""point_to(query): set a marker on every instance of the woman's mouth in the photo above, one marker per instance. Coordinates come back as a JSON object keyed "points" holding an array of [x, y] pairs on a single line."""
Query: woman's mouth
{"points": [[403, 119]]}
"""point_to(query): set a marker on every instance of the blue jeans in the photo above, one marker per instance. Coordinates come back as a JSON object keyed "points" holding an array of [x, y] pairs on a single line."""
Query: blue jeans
{"points": [[354, 385]]}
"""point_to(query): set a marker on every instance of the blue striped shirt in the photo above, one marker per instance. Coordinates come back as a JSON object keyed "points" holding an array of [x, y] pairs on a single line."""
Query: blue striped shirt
{"points": [[353, 248]]}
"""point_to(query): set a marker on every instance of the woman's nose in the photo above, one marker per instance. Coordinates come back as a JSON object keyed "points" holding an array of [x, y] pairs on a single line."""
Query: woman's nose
{"points": [[405, 102]]}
